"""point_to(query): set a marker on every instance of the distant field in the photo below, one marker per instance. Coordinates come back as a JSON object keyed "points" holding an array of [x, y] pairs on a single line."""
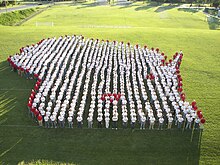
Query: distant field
{"points": [[165, 27]]}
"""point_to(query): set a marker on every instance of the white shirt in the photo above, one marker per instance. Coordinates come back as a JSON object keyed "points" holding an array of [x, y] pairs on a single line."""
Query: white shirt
{"points": [[180, 119], [161, 120], [69, 119], [79, 118], [125, 119], [170, 119], [152, 120], [46, 118], [115, 118], [197, 120]]}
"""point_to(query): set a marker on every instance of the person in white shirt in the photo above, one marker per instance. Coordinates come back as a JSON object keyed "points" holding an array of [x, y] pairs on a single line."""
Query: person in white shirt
{"points": [[152, 121], [143, 122], [133, 120], [61, 121], [114, 120], [46, 120], [70, 121], [125, 121], [90, 122], [180, 122], [170, 122], [99, 118], [107, 119], [197, 121], [79, 121], [53, 121], [188, 122], [161, 121]]}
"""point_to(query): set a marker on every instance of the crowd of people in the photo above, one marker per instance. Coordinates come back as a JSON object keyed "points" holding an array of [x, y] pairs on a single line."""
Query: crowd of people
{"points": [[96, 83]]}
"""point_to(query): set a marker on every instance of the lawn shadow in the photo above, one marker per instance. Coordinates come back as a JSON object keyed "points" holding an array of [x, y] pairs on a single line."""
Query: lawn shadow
{"points": [[213, 22], [190, 10], [93, 4], [167, 7], [148, 6], [14, 92], [94, 146]]}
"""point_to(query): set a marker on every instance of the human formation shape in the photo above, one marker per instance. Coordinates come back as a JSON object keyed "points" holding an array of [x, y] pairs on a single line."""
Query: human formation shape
{"points": [[97, 83]]}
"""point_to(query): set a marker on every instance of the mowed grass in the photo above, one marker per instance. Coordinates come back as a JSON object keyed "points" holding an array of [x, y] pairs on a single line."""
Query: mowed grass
{"points": [[165, 27]]}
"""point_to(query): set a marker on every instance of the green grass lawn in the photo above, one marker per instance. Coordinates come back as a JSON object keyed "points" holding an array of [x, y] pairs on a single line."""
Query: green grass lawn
{"points": [[165, 27]]}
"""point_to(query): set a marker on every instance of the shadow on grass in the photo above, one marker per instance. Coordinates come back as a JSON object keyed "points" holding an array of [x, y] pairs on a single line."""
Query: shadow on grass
{"points": [[14, 92], [148, 6], [213, 22], [89, 146], [167, 7], [190, 10], [94, 4]]}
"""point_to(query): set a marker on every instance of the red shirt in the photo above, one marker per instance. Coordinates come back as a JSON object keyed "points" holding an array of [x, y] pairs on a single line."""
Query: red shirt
{"points": [[180, 90], [198, 112], [38, 83], [202, 120], [194, 103], [36, 87], [33, 109], [102, 98], [36, 112], [39, 118], [29, 104]]}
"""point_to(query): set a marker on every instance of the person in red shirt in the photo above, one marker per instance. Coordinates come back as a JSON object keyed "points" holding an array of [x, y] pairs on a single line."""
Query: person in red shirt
{"points": [[39, 118], [9, 60], [29, 105]]}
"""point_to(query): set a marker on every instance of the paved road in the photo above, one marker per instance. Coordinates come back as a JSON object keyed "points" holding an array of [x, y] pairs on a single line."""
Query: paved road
{"points": [[3, 10]]}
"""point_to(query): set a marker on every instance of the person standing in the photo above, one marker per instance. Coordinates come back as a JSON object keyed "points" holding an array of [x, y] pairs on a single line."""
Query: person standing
{"points": [[125, 122], [143, 122], [170, 122], [197, 121], [53, 121], [46, 120], [61, 121], [133, 120], [114, 120], [79, 121], [70, 121], [40, 122], [189, 122], [99, 118], [90, 122], [107, 119], [180, 122], [152, 121], [161, 121]]}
